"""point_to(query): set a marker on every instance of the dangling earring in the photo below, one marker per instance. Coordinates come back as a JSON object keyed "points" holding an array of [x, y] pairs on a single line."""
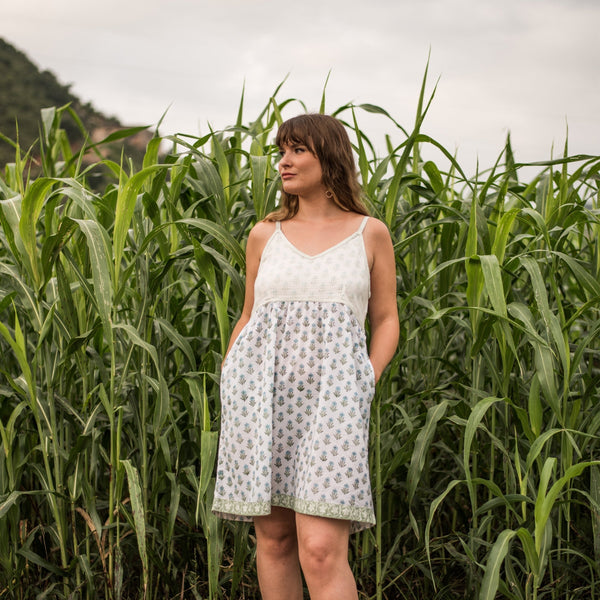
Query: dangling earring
{"points": [[329, 194]]}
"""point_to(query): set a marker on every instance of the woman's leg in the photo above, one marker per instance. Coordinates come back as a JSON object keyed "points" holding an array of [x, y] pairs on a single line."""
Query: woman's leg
{"points": [[323, 553], [277, 555]]}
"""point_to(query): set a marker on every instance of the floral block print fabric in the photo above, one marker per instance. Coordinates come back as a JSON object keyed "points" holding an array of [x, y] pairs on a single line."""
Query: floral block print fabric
{"points": [[295, 400]]}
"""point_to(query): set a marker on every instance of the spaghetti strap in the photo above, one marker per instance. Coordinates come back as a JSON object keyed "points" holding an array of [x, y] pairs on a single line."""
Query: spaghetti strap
{"points": [[277, 225], [363, 225]]}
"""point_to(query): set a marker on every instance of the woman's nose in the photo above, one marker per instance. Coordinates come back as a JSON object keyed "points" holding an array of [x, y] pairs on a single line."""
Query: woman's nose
{"points": [[285, 158]]}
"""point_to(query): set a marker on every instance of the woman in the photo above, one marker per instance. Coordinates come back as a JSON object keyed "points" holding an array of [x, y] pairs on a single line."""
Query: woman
{"points": [[297, 381]]}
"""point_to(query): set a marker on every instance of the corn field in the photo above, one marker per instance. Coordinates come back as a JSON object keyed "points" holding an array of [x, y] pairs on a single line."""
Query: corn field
{"points": [[116, 303]]}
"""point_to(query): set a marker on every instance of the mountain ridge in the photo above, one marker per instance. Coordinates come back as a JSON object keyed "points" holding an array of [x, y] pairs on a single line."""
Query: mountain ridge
{"points": [[25, 90]]}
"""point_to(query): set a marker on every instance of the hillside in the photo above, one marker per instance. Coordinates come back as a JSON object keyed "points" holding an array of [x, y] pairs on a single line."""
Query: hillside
{"points": [[25, 90]]}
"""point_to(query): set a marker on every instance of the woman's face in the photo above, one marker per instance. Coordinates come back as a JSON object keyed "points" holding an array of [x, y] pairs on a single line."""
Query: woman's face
{"points": [[300, 170]]}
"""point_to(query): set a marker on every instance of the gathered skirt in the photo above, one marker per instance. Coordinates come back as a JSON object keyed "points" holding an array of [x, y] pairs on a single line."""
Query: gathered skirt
{"points": [[296, 392]]}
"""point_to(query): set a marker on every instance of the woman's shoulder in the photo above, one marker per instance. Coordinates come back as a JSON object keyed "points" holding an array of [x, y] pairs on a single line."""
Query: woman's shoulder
{"points": [[376, 229], [262, 230], [259, 236], [377, 239]]}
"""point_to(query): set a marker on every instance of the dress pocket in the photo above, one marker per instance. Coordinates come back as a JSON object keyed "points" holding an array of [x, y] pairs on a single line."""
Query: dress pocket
{"points": [[372, 372], [233, 351], [224, 367]]}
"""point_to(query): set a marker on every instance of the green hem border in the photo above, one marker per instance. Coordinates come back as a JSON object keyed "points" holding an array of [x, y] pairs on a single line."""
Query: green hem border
{"points": [[361, 517]]}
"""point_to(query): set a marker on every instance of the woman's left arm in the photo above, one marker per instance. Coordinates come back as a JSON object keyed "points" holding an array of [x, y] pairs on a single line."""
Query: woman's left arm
{"points": [[383, 308]]}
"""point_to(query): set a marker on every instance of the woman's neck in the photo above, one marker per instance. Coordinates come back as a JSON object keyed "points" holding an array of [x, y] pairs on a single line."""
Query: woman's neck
{"points": [[318, 209]]}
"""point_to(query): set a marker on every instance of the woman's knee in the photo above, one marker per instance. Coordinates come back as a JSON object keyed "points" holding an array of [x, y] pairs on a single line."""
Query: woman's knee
{"points": [[276, 536], [322, 545], [322, 555], [281, 543]]}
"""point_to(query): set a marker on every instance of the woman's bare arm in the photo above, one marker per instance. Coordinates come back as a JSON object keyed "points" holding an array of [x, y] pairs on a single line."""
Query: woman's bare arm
{"points": [[383, 308]]}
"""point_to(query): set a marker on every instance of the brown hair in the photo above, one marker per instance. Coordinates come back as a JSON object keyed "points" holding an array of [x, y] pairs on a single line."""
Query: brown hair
{"points": [[328, 140]]}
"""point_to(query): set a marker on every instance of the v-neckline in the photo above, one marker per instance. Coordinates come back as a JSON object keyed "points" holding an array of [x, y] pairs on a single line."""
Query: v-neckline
{"points": [[311, 256]]}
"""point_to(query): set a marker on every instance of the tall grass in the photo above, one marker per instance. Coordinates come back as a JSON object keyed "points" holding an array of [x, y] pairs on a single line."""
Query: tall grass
{"points": [[115, 310]]}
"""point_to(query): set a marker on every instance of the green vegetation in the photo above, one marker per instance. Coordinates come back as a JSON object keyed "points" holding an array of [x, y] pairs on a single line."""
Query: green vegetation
{"points": [[115, 309]]}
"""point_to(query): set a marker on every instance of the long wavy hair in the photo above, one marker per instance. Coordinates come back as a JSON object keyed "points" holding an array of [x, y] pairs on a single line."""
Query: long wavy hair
{"points": [[327, 139]]}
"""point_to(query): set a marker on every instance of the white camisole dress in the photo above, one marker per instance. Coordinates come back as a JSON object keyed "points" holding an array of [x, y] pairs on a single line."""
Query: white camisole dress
{"points": [[296, 389]]}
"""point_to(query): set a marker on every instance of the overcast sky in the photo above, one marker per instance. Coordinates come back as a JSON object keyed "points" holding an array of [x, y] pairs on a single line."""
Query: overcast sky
{"points": [[525, 66]]}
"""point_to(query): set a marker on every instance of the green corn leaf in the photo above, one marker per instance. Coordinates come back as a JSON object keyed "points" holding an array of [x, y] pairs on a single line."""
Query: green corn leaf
{"points": [[220, 234], [163, 405], [18, 347], [493, 283], [491, 577], [545, 502], [585, 280], [139, 516], [475, 418], [422, 446], [10, 215], [531, 555], [178, 340], [99, 251], [544, 365], [363, 163], [502, 232], [534, 406], [126, 201], [7, 503], [209, 185], [53, 245], [173, 506], [36, 559], [539, 221], [121, 134], [432, 511], [208, 453], [259, 168], [31, 207], [152, 153], [435, 178], [214, 540], [223, 165], [48, 117], [550, 320]]}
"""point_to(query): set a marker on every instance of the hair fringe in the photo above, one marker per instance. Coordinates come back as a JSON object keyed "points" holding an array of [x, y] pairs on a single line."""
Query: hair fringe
{"points": [[327, 139]]}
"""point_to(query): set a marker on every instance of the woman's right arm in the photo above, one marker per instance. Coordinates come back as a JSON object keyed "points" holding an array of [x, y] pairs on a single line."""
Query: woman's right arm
{"points": [[257, 239]]}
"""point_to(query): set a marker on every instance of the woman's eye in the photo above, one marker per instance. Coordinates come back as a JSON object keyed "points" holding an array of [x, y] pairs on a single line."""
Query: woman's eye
{"points": [[295, 150]]}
